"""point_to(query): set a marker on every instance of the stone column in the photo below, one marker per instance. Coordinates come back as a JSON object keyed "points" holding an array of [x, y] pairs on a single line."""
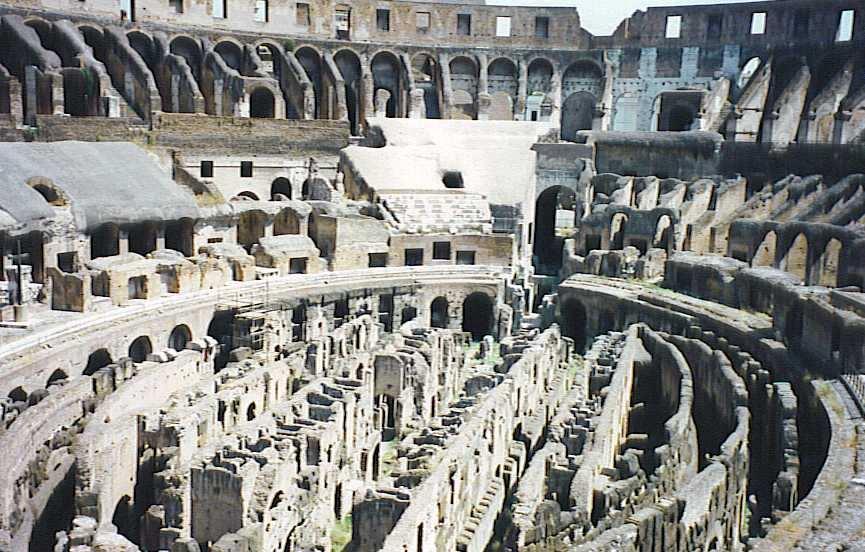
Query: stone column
{"points": [[447, 90], [57, 105], [522, 91], [368, 91], [556, 95], [483, 99]]}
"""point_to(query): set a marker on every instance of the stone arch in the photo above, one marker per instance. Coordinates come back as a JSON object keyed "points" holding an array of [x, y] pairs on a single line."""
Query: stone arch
{"points": [[105, 241], [426, 74], [464, 84], [179, 337], [49, 191], [439, 313], [503, 86], [262, 103], [795, 260], [94, 36], [583, 76], [578, 113], [765, 253], [664, 233], [546, 246], [18, 395], [231, 53], [57, 376], [189, 49], [348, 63], [385, 68], [829, 263], [246, 195], [618, 228], [140, 349], [310, 60], [220, 328], [286, 222], [270, 58], [99, 358], [408, 314], [250, 412], [280, 186], [574, 322], [478, 317], [540, 75], [43, 29], [143, 43]]}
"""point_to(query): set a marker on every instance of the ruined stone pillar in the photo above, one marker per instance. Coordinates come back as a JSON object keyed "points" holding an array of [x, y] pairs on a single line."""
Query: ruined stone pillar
{"points": [[447, 89], [16, 105], [57, 104], [522, 91], [484, 100], [556, 95], [368, 87]]}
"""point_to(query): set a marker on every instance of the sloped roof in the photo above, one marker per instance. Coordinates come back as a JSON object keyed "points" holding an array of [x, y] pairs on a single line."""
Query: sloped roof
{"points": [[105, 182]]}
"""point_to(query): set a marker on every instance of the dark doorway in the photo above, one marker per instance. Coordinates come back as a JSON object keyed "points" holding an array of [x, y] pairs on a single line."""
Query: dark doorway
{"points": [[478, 315], [573, 322], [439, 317]]}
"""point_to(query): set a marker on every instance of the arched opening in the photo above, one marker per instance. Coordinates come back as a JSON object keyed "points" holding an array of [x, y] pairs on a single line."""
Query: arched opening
{"points": [[478, 315], [310, 60], [124, 518], [829, 262], [190, 51], [262, 104], [98, 359], [408, 314], [503, 86], [250, 412], [142, 238], [386, 76], [57, 376], [280, 186], [747, 72], [221, 328], [349, 67], [439, 316], [251, 228], [578, 112], [765, 253], [231, 54], [618, 227], [464, 84], [48, 191], [552, 207], [286, 222], [18, 395], [247, 195], [540, 75], [105, 241], [664, 233], [140, 349], [573, 322], [179, 236], [143, 44], [426, 75], [796, 259], [179, 337]]}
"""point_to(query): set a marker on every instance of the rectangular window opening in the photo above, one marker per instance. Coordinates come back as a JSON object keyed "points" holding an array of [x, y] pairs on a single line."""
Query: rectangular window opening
{"points": [[715, 27], [301, 14], [674, 26], [542, 27], [377, 260], [220, 9], [464, 24], [465, 257], [414, 257], [845, 26], [422, 21], [342, 22], [246, 169], [441, 251], [176, 5], [261, 10], [503, 26], [297, 265], [206, 169], [758, 23], [382, 19]]}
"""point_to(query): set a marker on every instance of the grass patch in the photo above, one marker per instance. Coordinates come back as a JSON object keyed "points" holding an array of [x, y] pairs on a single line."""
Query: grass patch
{"points": [[340, 535]]}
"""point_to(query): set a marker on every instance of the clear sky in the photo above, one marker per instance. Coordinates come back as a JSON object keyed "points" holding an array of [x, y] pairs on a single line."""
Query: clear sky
{"points": [[601, 17]]}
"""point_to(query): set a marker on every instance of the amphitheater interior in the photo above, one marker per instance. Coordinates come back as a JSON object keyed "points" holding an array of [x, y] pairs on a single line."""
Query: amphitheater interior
{"points": [[431, 276]]}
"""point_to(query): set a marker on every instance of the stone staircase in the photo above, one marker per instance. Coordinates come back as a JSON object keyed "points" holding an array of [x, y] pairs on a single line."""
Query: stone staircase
{"points": [[478, 530]]}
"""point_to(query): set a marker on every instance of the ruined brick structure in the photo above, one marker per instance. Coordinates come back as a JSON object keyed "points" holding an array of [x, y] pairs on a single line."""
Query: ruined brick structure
{"points": [[284, 276]]}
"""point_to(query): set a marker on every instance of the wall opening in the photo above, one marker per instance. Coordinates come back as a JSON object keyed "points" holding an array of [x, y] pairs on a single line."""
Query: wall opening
{"points": [[179, 337], [478, 315], [439, 316], [140, 349]]}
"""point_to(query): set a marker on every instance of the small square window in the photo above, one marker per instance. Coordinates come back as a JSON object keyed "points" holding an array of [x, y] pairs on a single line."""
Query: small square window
{"points": [[342, 22], [176, 5], [297, 266], [301, 14], [382, 19], [503, 26], [422, 20], [414, 257], [758, 23], [68, 262], [441, 251], [464, 24], [261, 10], [206, 169], [845, 26], [246, 169], [674, 26], [377, 260], [465, 257], [715, 27], [220, 9], [542, 27]]}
